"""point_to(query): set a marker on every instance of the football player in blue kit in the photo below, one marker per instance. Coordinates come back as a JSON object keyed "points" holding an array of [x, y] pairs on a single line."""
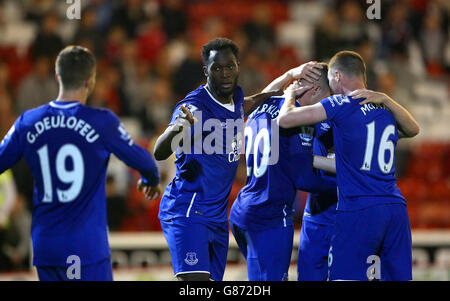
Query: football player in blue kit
{"points": [[206, 133], [279, 162], [372, 237], [67, 146]]}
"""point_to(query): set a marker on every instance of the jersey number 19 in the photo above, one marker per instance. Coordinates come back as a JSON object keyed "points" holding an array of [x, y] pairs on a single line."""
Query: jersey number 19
{"points": [[73, 177]]}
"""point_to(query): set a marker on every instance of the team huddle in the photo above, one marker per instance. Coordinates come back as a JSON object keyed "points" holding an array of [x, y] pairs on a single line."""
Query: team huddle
{"points": [[316, 128]]}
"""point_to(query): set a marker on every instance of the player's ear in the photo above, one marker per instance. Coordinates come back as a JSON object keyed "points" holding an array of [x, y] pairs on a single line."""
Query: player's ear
{"points": [[205, 70], [338, 75]]}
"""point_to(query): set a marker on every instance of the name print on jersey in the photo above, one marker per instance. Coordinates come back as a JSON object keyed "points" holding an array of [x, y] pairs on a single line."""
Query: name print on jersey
{"points": [[53, 122]]}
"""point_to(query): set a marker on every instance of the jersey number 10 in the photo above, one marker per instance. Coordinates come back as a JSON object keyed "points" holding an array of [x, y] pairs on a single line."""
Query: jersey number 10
{"points": [[384, 145], [73, 177]]}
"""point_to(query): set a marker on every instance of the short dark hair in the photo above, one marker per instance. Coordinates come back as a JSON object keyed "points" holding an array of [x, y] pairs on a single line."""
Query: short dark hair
{"points": [[219, 44], [323, 80], [75, 65], [350, 63]]}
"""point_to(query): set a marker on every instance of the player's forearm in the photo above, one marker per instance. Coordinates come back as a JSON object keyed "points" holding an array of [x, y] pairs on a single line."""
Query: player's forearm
{"points": [[406, 123], [279, 83], [324, 163], [286, 117], [254, 101], [165, 144], [308, 180]]}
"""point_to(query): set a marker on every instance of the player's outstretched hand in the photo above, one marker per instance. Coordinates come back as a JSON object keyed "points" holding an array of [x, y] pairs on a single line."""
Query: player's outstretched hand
{"points": [[150, 192], [369, 95], [309, 71], [185, 119]]}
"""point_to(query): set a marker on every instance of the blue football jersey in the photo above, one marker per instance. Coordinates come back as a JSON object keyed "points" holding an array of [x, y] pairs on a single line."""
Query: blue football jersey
{"points": [[365, 137], [67, 146], [321, 207], [207, 162], [279, 162]]}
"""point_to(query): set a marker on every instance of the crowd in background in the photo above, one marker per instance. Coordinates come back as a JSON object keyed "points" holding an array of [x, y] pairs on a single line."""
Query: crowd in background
{"points": [[148, 54]]}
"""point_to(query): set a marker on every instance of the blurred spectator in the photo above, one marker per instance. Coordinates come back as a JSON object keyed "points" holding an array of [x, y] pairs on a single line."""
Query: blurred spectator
{"points": [[7, 117], [189, 75], [387, 83], [352, 29], [115, 204], [397, 31], [87, 30], [433, 41], [15, 237], [326, 40], [174, 18], [48, 42], [260, 31], [129, 15], [367, 51], [114, 44], [104, 10], [8, 195], [37, 88], [210, 28], [36, 9], [159, 105], [138, 86], [251, 79], [5, 86], [150, 40]]}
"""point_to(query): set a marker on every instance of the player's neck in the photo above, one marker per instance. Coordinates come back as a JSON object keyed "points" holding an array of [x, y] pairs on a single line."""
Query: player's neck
{"points": [[222, 99], [352, 86], [78, 95]]}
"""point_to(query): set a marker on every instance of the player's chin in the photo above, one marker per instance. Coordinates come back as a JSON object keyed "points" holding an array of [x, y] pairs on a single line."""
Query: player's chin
{"points": [[227, 90]]}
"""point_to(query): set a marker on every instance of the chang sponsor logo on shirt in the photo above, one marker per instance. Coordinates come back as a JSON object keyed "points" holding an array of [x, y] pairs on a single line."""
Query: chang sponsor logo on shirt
{"points": [[306, 135]]}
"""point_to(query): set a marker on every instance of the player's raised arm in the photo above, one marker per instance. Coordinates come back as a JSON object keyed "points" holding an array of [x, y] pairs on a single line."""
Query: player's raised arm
{"points": [[292, 116], [308, 71], [173, 135], [254, 101], [406, 124]]}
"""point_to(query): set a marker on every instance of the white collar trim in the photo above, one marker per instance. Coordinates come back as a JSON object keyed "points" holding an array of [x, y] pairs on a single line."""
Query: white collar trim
{"points": [[229, 107], [67, 106]]}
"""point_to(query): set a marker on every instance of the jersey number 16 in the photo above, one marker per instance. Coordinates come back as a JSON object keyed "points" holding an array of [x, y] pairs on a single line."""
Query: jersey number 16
{"points": [[384, 145]]}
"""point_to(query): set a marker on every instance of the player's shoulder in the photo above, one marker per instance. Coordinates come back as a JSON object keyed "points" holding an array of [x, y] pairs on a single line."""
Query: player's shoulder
{"points": [[194, 100], [98, 112], [30, 116], [271, 106]]}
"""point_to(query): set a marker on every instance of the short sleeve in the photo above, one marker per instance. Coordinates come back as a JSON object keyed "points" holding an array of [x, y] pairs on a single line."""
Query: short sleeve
{"points": [[334, 105]]}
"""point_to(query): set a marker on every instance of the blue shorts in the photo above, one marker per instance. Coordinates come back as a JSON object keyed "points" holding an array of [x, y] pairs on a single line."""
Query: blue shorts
{"points": [[101, 271], [312, 264], [197, 246], [372, 244], [268, 252]]}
